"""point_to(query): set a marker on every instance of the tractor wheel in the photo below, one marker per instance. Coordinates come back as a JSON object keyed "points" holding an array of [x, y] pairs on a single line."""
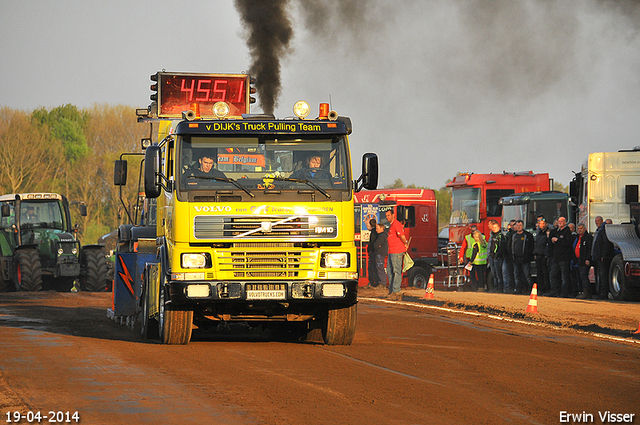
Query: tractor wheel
{"points": [[339, 325], [28, 270], [174, 325], [95, 265]]}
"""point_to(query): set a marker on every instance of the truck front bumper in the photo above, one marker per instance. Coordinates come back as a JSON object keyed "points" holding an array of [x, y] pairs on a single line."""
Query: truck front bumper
{"points": [[337, 291]]}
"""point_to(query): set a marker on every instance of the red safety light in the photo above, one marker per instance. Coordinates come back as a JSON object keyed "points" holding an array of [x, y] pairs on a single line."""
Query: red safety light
{"points": [[324, 111], [195, 107]]}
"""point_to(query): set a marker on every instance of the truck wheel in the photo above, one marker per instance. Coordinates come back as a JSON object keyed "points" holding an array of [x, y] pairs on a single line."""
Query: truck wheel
{"points": [[340, 325], [28, 270], [95, 265], [618, 285], [418, 277], [174, 325]]}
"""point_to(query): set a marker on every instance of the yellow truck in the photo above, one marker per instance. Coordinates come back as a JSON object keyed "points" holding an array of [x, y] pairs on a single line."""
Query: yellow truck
{"points": [[255, 215]]}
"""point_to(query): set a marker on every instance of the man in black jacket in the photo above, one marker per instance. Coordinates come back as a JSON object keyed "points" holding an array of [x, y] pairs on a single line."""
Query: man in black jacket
{"points": [[380, 250], [507, 267], [560, 277], [582, 252], [522, 255], [602, 254], [496, 255], [541, 256], [372, 270]]}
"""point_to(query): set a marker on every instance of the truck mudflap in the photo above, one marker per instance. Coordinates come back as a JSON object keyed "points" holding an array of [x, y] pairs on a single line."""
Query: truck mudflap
{"points": [[625, 238], [335, 291]]}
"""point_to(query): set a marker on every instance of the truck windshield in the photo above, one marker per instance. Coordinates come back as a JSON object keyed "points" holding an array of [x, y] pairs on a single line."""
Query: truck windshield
{"points": [[528, 212], [465, 206], [515, 212], [265, 162]]}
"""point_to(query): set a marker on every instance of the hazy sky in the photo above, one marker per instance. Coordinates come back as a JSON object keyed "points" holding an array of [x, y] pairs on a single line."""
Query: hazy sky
{"points": [[433, 87]]}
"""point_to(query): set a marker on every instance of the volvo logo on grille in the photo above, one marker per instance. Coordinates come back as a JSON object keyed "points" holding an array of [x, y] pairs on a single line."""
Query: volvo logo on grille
{"points": [[266, 226]]}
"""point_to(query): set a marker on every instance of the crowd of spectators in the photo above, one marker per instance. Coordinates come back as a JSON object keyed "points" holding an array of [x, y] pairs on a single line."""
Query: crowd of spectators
{"points": [[563, 254]]}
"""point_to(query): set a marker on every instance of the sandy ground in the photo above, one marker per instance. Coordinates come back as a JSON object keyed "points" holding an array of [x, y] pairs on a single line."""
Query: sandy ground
{"points": [[620, 319], [59, 351]]}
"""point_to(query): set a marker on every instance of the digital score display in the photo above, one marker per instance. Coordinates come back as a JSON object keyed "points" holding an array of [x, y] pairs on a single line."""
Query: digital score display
{"points": [[178, 92]]}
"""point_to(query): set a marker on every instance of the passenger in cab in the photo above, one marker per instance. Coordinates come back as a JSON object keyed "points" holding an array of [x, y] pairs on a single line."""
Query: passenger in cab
{"points": [[313, 169]]}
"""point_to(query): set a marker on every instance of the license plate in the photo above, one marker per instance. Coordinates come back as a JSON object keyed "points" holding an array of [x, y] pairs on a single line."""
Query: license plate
{"points": [[266, 295]]}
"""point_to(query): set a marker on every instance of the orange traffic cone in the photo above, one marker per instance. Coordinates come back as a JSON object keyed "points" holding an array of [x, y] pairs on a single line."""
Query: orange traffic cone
{"points": [[533, 300], [428, 294], [638, 331]]}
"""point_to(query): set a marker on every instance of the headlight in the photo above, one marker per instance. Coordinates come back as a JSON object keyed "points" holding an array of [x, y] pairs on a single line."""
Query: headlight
{"points": [[74, 251], [193, 261], [333, 260], [60, 251]]}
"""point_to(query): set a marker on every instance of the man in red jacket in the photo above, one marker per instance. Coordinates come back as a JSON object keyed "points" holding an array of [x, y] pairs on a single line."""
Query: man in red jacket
{"points": [[397, 247]]}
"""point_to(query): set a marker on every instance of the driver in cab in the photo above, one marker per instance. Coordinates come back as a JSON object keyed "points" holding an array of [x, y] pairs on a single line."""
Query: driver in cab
{"points": [[31, 216], [204, 168]]}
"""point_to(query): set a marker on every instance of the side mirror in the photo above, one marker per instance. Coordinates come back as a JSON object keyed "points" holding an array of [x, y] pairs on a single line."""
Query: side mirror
{"points": [[6, 210], [151, 172], [120, 173], [83, 210], [369, 171]]}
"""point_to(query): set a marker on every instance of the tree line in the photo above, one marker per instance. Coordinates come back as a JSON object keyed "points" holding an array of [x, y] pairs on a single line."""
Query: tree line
{"points": [[72, 152]]}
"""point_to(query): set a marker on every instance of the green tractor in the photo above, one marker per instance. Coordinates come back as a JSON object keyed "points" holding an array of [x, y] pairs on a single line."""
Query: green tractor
{"points": [[39, 248]]}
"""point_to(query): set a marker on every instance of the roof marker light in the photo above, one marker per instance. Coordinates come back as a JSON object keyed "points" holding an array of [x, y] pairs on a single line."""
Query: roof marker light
{"points": [[221, 109], [301, 109], [324, 111]]}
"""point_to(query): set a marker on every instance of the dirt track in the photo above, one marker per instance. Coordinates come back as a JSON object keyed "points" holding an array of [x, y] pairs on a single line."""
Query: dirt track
{"points": [[616, 318], [406, 366]]}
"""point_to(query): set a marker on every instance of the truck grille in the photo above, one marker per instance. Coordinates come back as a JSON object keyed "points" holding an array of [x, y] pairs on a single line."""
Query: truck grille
{"points": [[259, 264], [246, 227]]}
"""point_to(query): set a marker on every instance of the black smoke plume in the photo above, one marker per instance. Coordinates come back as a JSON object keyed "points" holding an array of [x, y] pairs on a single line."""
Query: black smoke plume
{"points": [[269, 33]]}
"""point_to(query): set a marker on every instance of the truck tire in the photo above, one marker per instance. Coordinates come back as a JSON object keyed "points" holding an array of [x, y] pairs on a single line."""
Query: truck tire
{"points": [[340, 325], [95, 266], [618, 284], [28, 270], [418, 277], [174, 325]]}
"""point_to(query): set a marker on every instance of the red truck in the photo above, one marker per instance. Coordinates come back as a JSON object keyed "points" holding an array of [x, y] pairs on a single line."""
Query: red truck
{"points": [[474, 198], [418, 210]]}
